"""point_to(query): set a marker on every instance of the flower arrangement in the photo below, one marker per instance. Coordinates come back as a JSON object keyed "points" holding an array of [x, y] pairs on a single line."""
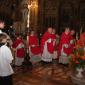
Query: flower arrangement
{"points": [[78, 56]]}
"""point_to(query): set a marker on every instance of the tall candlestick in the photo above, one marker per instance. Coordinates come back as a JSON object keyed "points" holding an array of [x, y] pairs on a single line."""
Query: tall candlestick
{"points": [[28, 20]]}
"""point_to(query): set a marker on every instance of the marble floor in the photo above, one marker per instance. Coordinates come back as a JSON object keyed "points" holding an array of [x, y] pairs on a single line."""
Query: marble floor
{"points": [[48, 74]]}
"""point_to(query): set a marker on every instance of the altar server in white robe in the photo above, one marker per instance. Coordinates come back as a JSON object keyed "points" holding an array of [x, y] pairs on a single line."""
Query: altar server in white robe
{"points": [[6, 58]]}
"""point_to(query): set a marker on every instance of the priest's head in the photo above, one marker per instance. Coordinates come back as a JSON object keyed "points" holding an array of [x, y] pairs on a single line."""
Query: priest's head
{"points": [[54, 31], [32, 33], [67, 30], [50, 30], [2, 24]]}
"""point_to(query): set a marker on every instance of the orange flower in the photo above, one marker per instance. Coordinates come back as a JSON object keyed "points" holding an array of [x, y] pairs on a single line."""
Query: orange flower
{"points": [[77, 46], [81, 43], [73, 56], [78, 55], [83, 57], [73, 60]]}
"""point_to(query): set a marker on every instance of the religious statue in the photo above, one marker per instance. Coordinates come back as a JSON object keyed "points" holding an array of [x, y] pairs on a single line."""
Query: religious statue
{"points": [[25, 12]]}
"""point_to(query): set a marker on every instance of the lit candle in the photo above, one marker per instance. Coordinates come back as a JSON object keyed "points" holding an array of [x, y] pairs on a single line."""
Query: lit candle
{"points": [[28, 17], [80, 30], [77, 36]]}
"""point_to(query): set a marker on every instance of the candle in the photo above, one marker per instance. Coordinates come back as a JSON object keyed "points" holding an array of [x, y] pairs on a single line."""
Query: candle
{"points": [[80, 30], [28, 17], [77, 36]]}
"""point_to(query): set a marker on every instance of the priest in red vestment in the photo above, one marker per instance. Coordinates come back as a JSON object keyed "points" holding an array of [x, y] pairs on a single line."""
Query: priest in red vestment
{"points": [[47, 46], [18, 45], [34, 48], [64, 47]]}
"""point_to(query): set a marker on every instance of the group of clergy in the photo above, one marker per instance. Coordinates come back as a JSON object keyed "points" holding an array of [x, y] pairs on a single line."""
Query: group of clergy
{"points": [[49, 49]]}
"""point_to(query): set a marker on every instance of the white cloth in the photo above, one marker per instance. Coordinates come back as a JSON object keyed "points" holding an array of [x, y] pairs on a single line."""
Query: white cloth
{"points": [[33, 45], [65, 45], [46, 56], [62, 50], [63, 58], [71, 41], [33, 57], [5, 60], [19, 61], [1, 32], [21, 45], [49, 40]]}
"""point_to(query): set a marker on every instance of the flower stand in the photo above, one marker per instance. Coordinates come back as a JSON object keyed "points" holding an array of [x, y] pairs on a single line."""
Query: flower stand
{"points": [[78, 78], [77, 81], [79, 73]]}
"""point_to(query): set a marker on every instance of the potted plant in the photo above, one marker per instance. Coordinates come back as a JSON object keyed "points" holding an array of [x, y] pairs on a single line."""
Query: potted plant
{"points": [[78, 63]]}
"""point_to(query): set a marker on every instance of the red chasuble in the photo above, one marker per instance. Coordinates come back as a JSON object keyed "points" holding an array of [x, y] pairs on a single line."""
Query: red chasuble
{"points": [[19, 51], [65, 39], [45, 37], [34, 45]]}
